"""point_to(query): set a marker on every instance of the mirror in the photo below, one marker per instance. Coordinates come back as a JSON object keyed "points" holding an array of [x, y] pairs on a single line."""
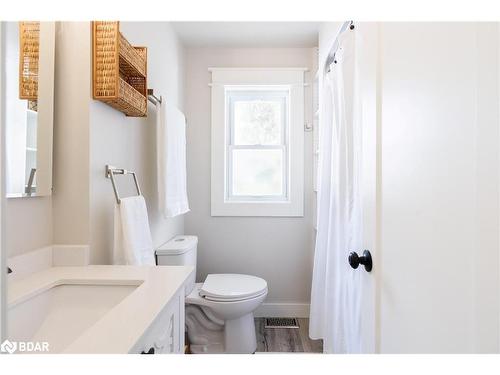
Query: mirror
{"points": [[28, 99]]}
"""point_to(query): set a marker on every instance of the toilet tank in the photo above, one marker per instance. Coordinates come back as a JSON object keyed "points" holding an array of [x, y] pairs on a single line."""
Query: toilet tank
{"points": [[179, 251]]}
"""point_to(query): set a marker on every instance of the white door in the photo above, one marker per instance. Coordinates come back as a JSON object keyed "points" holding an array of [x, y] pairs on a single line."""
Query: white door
{"points": [[430, 187], [3, 256]]}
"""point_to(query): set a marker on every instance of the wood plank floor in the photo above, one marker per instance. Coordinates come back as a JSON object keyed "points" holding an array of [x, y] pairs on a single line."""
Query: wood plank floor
{"points": [[287, 340]]}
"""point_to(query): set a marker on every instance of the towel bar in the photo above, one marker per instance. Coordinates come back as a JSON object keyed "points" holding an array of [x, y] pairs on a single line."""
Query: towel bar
{"points": [[153, 98], [110, 173]]}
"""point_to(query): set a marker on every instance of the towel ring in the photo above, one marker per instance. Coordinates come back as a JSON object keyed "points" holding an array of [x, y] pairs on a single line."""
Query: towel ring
{"points": [[110, 173]]}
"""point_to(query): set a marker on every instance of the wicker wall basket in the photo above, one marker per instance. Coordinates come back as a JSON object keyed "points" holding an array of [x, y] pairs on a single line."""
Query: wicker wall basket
{"points": [[29, 48], [119, 70]]}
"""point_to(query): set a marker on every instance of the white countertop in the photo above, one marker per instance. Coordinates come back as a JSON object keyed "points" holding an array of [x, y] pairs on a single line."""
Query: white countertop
{"points": [[119, 329]]}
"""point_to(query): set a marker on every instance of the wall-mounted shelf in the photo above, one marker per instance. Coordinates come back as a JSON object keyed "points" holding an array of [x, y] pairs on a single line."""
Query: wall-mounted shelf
{"points": [[119, 70]]}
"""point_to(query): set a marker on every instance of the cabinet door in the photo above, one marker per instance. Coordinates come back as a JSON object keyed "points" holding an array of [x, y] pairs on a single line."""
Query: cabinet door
{"points": [[178, 324], [166, 334], [168, 330]]}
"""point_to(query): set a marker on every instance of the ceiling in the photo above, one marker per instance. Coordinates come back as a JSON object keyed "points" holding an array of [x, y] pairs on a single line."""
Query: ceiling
{"points": [[248, 34]]}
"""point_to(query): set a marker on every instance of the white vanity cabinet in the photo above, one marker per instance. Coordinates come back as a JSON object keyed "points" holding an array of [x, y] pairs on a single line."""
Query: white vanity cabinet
{"points": [[166, 334], [112, 309]]}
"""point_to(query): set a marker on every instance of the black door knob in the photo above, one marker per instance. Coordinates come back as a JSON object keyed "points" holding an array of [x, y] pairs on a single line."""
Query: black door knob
{"points": [[150, 351], [366, 259]]}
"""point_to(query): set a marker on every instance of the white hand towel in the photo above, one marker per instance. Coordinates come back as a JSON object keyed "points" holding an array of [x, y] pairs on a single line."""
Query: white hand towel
{"points": [[171, 160], [132, 237]]}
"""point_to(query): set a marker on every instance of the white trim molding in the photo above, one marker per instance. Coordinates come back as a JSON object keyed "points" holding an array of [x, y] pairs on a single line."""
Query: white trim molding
{"points": [[226, 78], [215, 69]]}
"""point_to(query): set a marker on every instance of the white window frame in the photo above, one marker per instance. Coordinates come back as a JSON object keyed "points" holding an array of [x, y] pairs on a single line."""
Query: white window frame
{"points": [[228, 80]]}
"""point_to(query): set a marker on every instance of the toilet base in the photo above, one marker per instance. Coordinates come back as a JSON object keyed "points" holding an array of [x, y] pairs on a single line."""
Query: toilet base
{"points": [[239, 335], [206, 349], [205, 336]]}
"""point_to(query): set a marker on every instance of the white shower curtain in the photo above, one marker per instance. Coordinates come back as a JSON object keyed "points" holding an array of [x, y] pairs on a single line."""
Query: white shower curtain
{"points": [[335, 296]]}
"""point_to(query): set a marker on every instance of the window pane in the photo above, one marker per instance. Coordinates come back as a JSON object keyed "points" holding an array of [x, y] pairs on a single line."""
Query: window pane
{"points": [[257, 172], [257, 122]]}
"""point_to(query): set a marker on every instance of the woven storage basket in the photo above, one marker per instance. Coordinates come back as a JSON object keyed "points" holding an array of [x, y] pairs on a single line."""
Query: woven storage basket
{"points": [[29, 45], [129, 100], [119, 70], [132, 60]]}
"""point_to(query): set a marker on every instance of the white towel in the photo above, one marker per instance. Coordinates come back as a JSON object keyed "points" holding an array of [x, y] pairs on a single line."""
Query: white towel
{"points": [[171, 160], [132, 242]]}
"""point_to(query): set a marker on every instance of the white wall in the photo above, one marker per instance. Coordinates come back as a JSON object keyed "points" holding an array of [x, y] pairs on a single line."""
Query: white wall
{"points": [[28, 224], [130, 143], [71, 134], [277, 249], [88, 135]]}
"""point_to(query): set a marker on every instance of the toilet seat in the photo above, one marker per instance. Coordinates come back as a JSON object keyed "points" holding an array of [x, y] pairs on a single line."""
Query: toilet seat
{"points": [[214, 299], [232, 287]]}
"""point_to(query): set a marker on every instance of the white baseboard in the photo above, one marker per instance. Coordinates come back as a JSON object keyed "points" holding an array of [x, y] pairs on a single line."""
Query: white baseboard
{"points": [[282, 310]]}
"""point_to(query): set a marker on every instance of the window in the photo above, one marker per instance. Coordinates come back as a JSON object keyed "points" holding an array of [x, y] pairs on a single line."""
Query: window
{"points": [[257, 142]]}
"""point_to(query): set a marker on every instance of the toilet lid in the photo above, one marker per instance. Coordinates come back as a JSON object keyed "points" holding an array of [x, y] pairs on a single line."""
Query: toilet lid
{"points": [[232, 287]]}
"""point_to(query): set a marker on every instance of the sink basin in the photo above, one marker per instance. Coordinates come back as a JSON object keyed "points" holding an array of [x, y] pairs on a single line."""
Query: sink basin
{"points": [[60, 314]]}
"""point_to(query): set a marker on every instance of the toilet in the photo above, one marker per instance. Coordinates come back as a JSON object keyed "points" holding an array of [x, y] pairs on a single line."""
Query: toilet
{"points": [[219, 311]]}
